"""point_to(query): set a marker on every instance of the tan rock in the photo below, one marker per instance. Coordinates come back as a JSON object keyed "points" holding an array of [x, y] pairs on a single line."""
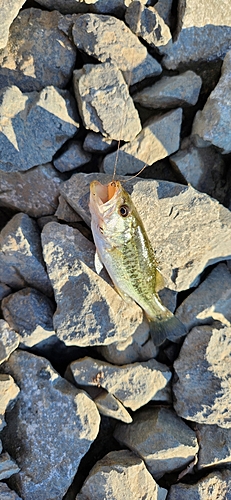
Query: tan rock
{"points": [[9, 340], [110, 406]]}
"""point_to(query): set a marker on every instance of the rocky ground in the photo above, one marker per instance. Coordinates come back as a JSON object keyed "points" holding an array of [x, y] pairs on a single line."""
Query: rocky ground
{"points": [[90, 408]]}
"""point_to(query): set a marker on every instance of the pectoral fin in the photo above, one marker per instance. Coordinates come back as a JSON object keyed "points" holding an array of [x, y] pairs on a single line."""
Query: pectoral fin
{"points": [[98, 263]]}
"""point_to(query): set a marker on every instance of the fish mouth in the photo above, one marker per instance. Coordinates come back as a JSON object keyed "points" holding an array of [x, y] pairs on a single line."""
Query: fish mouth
{"points": [[104, 192]]}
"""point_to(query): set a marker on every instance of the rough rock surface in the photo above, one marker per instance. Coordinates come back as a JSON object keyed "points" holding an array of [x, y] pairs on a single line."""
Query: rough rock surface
{"points": [[133, 384], [8, 392], [27, 118], [215, 446], [211, 125], [73, 157], [8, 494], [116, 7], [4, 290], [118, 473], [101, 94], [146, 23], [110, 406], [89, 311], [202, 388], [109, 39], [55, 421], [34, 192], [66, 212], [159, 138], [21, 261], [95, 142], [8, 467], [9, 340], [160, 438], [216, 485], [9, 10], [164, 8], [38, 52]]}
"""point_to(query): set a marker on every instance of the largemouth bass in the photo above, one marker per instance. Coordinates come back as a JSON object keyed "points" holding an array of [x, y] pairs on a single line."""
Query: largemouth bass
{"points": [[123, 247]]}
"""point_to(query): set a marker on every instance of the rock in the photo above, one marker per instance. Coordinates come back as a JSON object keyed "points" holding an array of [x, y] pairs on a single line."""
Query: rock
{"points": [[9, 340], [196, 228], [129, 351], [8, 467], [215, 446], [65, 212], [73, 157], [7, 494], [203, 168], [159, 138], [210, 125], [30, 313], [38, 52], [164, 8], [133, 384], [55, 421], [104, 101], [160, 438], [97, 143], [118, 473], [202, 388], [8, 392], [216, 485], [34, 192], [24, 141], [21, 261], [4, 290], [9, 10], [89, 312], [171, 91], [146, 23], [105, 38], [203, 34], [116, 7], [110, 406], [210, 301]]}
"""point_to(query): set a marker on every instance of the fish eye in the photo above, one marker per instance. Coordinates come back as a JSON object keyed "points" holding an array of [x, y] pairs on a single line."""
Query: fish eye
{"points": [[124, 210]]}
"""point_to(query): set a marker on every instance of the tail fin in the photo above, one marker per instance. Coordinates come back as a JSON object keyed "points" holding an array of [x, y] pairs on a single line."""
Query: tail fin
{"points": [[167, 328]]}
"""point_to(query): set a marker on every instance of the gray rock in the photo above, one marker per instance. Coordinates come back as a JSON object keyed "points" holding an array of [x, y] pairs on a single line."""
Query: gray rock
{"points": [[4, 290], [38, 52], [202, 388], [8, 494], [89, 312], [116, 7], [21, 261], [8, 467], [211, 125], [133, 384], [73, 157], [159, 138], [9, 10], [65, 212], [30, 313], [146, 23], [196, 228], [210, 301], [34, 192], [118, 473], [215, 446], [55, 421], [97, 143], [110, 406], [28, 117], [164, 8], [204, 34], [8, 392], [104, 101], [160, 438], [216, 485], [106, 42], [9, 340], [171, 91]]}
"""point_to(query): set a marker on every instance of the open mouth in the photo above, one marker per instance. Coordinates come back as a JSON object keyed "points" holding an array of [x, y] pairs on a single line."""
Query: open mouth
{"points": [[104, 192]]}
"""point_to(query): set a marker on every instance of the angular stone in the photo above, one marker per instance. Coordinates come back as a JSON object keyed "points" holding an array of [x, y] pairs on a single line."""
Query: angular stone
{"points": [[110, 406], [38, 52], [116, 7], [65, 212], [4, 290], [34, 192], [73, 157], [202, 389], [159, 138], [106, 42], [8, 392], [9, 10], [118, 473], [97, 143], [171, 91], [21, 261], [8, 467], [9, 340], [146, 23], [24, 140], [211, 125], [133, 384], [89, 312], [30, 313], [55, 421], [216, 486], [191, 230], [204, 34], [160, 438], [215, 446], [210, 301], [7, 494], [164, 8], [104, 101]]}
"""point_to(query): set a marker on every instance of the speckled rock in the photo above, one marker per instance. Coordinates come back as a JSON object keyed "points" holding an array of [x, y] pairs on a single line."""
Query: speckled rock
{"points": [[66, 212], [8, 494], [147, 24], [73, 157], [215, 446], [9, 340], [8, 467], [9, 10], [216, 485], [8, 392]]}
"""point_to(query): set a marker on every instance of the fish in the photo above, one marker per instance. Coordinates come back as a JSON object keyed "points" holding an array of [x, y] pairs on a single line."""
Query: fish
{"points": [[123, 248]]}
